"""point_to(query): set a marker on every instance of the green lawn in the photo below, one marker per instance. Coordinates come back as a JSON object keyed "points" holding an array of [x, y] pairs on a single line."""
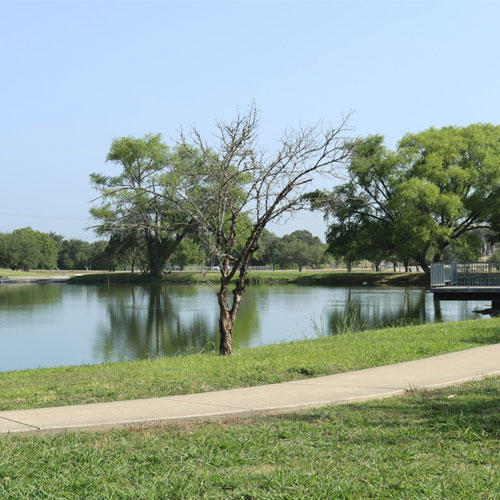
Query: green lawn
{"points": [[322, 277], [426, 445], [331, 278], [247, 367], [34, 273]]}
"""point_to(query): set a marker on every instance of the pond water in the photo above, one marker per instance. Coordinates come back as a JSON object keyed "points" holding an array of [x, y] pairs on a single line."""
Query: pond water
{"points": [[61, 324]]}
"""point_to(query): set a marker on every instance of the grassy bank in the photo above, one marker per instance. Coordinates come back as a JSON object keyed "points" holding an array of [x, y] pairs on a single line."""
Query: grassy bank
{"points": [[247, 367], [332, 278], [34, 273], [426, 445]]}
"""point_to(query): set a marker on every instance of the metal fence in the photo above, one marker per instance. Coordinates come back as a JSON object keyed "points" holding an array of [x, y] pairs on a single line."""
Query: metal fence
{"points": [[465, 274], [213, 268]]}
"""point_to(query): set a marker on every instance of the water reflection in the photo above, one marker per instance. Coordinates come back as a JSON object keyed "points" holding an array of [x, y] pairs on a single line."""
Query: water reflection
{"points": [[356, 310], [59, 324], [155, 320], [143, 322], [17, 297]]}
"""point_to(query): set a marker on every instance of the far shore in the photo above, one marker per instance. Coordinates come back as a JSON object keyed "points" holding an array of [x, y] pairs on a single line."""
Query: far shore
{"points": [[307, 277], [292, 277]]}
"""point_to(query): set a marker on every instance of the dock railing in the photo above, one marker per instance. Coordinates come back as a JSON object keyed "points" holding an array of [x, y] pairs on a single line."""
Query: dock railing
{"points": [[468, 274]]}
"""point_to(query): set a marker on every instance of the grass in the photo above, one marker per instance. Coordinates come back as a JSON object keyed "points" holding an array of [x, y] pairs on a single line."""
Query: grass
{"points": [[247, 367], [426, 445], [331, 278], [36, 273]]}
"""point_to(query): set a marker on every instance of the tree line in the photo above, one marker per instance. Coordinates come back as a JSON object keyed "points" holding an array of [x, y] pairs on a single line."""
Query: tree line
{"points": [[26, 249]]}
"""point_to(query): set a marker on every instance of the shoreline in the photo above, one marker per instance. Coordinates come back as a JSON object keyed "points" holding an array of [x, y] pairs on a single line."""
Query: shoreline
{"points": [[293, 277], [247, 367], [29, 279]]}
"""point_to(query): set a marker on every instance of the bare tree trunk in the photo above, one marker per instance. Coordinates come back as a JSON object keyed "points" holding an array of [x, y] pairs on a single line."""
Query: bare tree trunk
{"points": [[226, 322], [227, 315], [226, 335]]}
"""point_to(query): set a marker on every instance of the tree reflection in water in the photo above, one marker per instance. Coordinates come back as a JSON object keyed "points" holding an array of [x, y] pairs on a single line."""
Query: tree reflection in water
{"points": [[357, 310], [22, 297], [158, 320]]}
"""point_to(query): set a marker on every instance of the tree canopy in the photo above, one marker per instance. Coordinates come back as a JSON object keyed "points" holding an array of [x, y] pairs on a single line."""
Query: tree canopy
{"points": [[28, 249], [435, 187], [134, 204], [300, 249]]}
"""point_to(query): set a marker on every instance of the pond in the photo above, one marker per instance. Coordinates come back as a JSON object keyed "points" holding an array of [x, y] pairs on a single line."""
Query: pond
{"points": [[61, 324]]}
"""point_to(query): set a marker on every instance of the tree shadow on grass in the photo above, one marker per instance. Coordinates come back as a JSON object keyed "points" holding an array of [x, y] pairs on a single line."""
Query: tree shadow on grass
{"points": [[473, 408], [491, 338]]}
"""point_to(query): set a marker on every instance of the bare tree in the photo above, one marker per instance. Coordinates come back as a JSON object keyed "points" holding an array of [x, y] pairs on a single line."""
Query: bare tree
{"points": [[234, 188]]}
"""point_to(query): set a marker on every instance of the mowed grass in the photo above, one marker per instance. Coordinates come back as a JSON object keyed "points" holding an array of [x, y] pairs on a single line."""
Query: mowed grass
{"points": [[322, 277], [36, 273], [425, 445], [246, 367]]}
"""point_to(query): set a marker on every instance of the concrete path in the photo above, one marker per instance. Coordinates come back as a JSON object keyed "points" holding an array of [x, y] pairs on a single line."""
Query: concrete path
{"points": [[362, 385]]}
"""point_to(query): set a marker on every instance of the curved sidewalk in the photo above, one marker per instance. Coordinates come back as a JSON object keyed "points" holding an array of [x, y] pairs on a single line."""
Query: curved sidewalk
{"points": [[362, 385]]}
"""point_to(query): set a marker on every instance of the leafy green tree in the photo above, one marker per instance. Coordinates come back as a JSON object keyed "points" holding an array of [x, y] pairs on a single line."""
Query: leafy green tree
{"points": [[296, 252], [467, 248], [368, 240], [135, 202], [4, 249], [301, 248], [24, 249], [28, 249], [188, 252], [125, 249], [74, 254], [437, 186], [48, 251], [99, 257], [495, 256], [266, 254]]}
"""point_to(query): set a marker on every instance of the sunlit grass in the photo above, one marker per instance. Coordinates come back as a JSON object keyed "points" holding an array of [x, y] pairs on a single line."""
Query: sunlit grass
{"points": [[426, 445]]}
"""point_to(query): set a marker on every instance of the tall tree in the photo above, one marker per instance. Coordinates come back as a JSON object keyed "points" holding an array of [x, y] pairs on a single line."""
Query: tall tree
{"points": [[234, 188], [134, 203], [438, 185]]}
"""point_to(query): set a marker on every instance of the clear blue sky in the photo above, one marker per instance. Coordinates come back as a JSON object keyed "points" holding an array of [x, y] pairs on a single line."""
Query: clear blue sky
{"points": [[74, 75]]}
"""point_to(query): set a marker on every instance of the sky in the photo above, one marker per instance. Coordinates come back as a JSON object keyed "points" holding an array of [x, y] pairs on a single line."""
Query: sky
{"points": [[76, 75]]}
